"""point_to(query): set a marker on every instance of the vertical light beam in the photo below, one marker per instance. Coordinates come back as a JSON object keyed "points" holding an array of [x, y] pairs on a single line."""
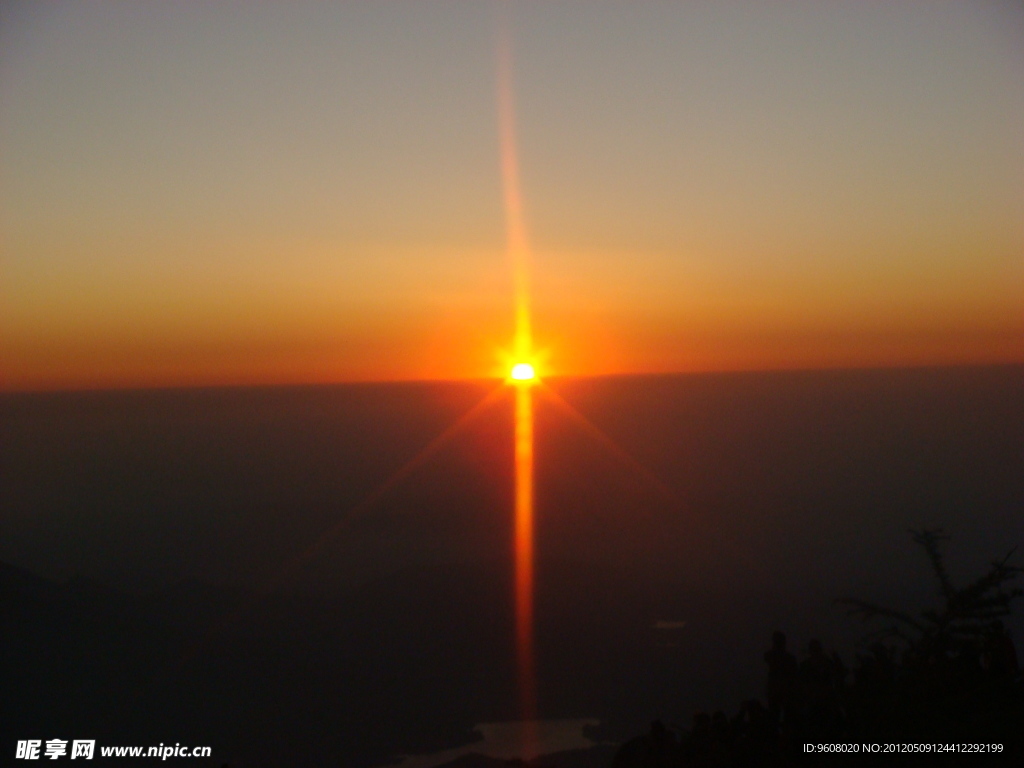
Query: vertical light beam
{"points": [[518, 250], [516, 240], [524, 553]]}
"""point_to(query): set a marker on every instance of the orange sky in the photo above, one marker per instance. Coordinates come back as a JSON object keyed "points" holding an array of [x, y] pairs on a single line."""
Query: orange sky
{"points": [[202, 194]]}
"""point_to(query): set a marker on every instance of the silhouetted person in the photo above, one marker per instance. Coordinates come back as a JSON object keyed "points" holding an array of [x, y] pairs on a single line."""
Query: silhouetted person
{"points": [[721, 728], [818, 679], [999, 656], [698, 743], [782, 678], [756, 736], [722, 738], [657, 749], [876, 672], [839, 672]]}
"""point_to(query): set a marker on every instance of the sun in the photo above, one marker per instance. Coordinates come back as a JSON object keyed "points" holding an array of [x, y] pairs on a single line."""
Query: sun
{"points": [[523, 372]]}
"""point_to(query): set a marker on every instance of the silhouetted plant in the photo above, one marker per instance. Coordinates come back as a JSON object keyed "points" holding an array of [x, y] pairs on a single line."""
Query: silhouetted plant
{"points": [[966, 614]]}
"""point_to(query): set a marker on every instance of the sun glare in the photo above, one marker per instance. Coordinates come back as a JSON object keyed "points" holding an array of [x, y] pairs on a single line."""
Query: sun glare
{"points": [[523, 372]]}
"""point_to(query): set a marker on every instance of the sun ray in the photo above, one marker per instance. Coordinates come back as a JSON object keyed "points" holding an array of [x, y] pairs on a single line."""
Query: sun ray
{"points": [[522, 377], [398, 476], [516, 240], [596, 433], [524, 527], [294, 564]]}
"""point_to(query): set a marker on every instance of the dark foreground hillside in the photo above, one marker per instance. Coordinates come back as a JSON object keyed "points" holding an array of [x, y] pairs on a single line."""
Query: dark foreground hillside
{"points": [[945, 682], [694, 515]]}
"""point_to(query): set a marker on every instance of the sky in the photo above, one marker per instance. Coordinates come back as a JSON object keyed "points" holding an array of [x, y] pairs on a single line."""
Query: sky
{"points": [[211, 193]]}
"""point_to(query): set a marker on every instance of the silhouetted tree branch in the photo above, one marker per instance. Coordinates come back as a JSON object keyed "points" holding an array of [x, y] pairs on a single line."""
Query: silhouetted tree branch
{"points": [[965, 614]]}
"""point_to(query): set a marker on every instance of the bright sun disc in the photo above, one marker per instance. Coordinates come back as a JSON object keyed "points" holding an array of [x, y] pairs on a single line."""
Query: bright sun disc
{"points": [[523, 372]]}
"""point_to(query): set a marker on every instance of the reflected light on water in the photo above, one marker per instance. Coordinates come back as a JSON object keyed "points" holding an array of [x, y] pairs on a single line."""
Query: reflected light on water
{"points": [[504, 741]]}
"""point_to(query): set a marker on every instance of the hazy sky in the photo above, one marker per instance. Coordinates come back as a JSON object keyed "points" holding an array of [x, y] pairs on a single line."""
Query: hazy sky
{"points": [[213, 192]]}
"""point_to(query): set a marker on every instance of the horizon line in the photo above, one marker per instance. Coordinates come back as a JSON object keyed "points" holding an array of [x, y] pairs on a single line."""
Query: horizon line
{"points": [[284, 384]]}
